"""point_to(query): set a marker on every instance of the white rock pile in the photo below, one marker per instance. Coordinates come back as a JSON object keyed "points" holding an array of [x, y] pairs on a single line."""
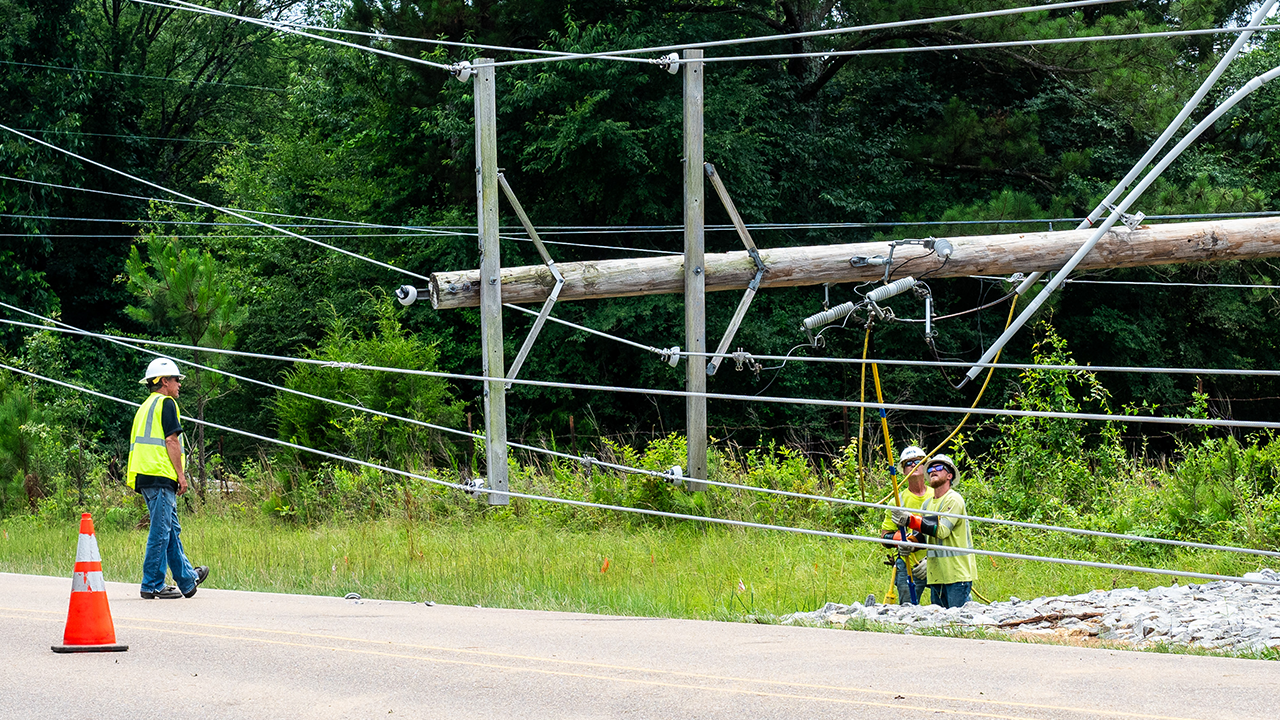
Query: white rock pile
{"points": [[1222, 615]]}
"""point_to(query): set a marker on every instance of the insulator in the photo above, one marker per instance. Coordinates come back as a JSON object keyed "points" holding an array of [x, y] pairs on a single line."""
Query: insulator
{"points": [[828, 316], [897, 287], [406, 294]]}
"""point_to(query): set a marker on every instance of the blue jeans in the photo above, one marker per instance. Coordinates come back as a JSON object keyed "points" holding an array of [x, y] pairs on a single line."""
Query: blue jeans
{"points": [[164, 544], [951, 595], [900, 575]]}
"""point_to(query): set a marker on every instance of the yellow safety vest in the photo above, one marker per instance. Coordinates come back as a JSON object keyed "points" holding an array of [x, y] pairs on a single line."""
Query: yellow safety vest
{"points": [[147, 452], [947, 565]]}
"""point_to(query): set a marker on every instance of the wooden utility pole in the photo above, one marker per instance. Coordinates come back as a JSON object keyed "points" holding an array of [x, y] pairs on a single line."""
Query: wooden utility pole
{"points": [[695, 300], [799, 266], [490, 291]]}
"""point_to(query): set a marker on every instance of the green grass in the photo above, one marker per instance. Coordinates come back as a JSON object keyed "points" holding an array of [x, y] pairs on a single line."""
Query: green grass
{"points": [[681, 571]]}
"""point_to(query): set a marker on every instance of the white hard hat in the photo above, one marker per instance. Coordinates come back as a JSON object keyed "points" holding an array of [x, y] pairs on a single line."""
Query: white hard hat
{"points": [[911, 452], [161, 367], [946, 460]]}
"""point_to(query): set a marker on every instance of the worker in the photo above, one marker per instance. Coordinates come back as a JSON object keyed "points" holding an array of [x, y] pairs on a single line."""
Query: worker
{"points": [[950, 571], [906, 559], [157, 471]]}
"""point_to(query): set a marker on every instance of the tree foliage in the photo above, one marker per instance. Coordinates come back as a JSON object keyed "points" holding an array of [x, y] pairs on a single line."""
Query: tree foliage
{"points": [[279, 124]]}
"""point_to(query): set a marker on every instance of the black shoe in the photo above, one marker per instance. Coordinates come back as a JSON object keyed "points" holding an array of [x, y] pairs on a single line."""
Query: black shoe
{"points": [[202, 572], [168, 593]]}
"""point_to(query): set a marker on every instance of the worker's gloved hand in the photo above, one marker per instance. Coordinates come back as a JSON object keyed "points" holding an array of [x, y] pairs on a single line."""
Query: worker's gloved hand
{"points": [[903, 550], [900, 516], [920, 572], [889, 536]]}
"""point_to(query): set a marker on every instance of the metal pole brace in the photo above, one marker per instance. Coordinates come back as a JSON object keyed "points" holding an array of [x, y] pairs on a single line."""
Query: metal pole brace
{"points": [[551, 265], [1130, 220], [753, 286]]}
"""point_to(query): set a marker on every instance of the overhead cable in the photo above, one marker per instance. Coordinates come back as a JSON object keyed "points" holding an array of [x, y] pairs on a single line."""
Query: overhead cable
{"points": [[653, 513], [620, 229], [818, 402], [922, 363], [147, 137], [71, 329], [823, 33], [448, 43], [211, 206], [184, 81], [981, 45], [1243, 372], [274, 25]]}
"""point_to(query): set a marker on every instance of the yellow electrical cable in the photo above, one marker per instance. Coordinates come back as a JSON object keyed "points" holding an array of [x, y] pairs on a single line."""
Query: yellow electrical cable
{"points": [[990, 371], [862, 415]]}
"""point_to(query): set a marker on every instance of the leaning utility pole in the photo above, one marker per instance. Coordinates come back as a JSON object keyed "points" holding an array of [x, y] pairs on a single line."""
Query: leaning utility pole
{"points": [[695, 299], [490, 291], [799, 266]]}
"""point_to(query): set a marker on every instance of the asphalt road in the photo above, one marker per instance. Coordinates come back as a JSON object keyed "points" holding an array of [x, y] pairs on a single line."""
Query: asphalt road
{"points": [[227, 654]]}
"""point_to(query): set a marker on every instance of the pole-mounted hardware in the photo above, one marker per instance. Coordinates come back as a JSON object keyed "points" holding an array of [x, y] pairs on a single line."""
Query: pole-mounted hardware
{"points": [[675, 475], [461, 71], [551, 265], [871, 303], [407, 295], [753, 286], [1130, 220], [669, 62]]}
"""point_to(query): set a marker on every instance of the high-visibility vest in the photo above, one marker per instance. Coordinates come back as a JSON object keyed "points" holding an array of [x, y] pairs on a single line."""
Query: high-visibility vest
{"points": [[147, 452], [947, 565]]}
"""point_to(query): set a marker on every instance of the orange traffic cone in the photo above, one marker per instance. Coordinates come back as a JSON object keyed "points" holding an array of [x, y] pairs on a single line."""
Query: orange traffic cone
{"points": [[89, 627]]}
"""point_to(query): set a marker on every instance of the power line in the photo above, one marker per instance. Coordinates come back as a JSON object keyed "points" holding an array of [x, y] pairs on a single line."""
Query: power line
{"points": [[1151, 283], [915, 363], [822, 33], [621, 229], [448, 43], [818, 402], [988, 45], [211, 206], [654, 513], [145, 77], [150, 137], [70, 329], [192, 7]]}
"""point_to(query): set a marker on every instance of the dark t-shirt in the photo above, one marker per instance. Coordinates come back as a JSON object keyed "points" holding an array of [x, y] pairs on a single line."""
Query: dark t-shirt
{"points": [[170, 424]]}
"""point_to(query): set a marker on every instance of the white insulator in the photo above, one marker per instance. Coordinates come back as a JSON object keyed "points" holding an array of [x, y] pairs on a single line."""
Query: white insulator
{"points": [[828, 316], [897, 287], [406, 294]]}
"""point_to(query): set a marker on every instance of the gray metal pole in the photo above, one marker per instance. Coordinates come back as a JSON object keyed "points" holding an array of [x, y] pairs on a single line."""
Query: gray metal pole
{"points": [[1259, 17], [1120, 209], [495, 400], [695, 279]]}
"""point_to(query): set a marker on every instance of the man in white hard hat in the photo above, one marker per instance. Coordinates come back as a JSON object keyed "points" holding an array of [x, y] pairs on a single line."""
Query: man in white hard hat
{"points": [[157, 471], [906, 559], [951, 572]]}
